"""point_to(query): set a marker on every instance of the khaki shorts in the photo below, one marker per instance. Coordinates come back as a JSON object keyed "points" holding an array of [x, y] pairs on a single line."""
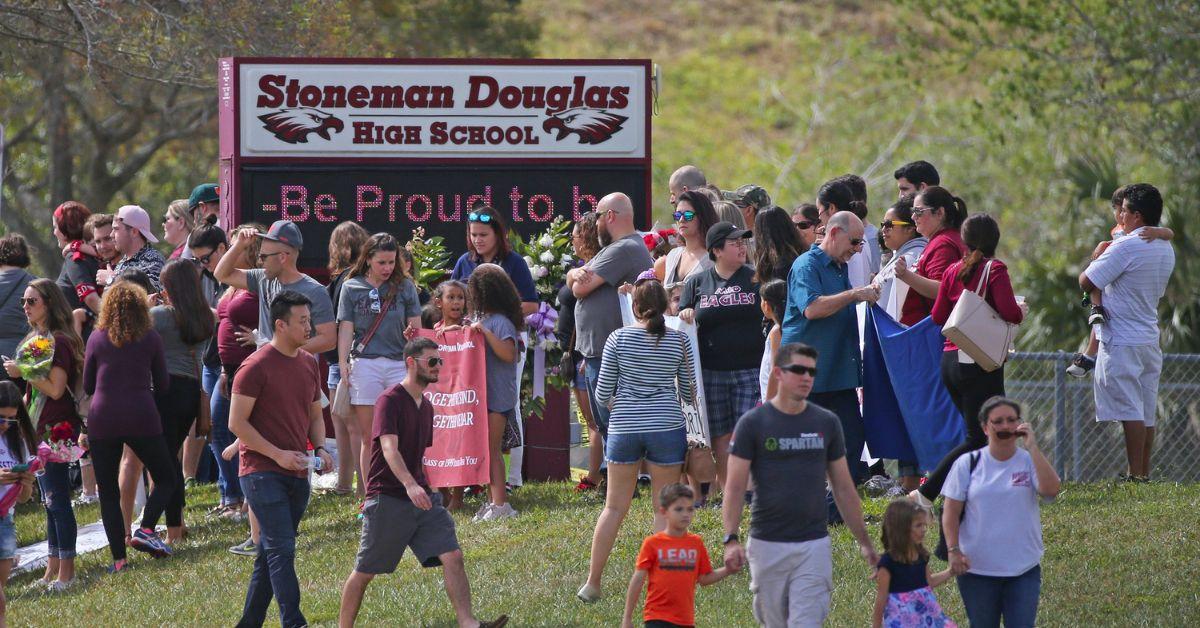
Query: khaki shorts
{"points": [[391, 524], [792, 583], [1125, 383]]}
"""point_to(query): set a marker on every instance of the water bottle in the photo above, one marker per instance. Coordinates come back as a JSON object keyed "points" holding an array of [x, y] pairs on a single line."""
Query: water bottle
{"points": [[316, 464]]}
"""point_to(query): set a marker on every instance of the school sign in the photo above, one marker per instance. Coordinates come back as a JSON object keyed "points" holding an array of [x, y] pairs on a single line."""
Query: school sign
{"points": [[398, 144]]}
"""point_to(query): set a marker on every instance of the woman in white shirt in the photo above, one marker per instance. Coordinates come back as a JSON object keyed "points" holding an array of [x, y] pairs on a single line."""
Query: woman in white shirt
{"points": [[995, 546]]}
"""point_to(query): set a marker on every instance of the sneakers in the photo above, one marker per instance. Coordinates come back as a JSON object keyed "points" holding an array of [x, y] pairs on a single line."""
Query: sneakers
{"points": [[146, 540], [878, 485], [503, 511], [86, 498], [1080, 365], [248, 548], [1097, 315], [585, 485], [588, 594], [895, 491], [498, 622], [58, 586], [482, 513], [1134, 479], [118, 567]]}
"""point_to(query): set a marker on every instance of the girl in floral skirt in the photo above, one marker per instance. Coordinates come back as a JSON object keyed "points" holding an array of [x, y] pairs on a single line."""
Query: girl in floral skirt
{"points": [[904, 584]]}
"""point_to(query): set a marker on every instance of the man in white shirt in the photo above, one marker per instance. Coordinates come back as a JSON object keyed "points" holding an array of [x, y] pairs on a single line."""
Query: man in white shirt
{"points": [[1133, 274]]}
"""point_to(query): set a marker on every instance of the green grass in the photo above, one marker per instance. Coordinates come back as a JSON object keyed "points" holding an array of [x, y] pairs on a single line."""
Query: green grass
{"points": [[1116, 555]]}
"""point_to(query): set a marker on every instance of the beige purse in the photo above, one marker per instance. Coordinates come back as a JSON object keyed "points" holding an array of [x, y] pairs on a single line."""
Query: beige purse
{"points": [[977, 329]]}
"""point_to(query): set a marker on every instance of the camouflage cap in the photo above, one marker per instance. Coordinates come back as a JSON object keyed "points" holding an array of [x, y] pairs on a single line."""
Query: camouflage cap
{"points": [[749, 194]]}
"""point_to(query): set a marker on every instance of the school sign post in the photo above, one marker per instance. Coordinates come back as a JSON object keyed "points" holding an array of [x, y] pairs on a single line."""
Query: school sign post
{"points": [[396, 144]]}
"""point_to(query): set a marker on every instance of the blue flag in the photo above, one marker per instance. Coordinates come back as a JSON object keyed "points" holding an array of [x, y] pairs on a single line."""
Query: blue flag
{"points": [[907, 412]]}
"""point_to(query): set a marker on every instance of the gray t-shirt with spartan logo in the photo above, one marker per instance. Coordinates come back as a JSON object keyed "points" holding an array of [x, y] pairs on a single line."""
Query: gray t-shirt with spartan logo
{"points": [[788, 456]]}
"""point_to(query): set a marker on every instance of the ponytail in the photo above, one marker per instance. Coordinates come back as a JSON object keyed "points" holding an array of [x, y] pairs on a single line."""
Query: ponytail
{"points": [[968, 266], [649, 303], [981, 234]]}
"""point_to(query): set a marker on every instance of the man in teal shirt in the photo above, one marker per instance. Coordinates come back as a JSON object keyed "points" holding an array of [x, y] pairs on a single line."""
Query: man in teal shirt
{"points": [[820, 312]]}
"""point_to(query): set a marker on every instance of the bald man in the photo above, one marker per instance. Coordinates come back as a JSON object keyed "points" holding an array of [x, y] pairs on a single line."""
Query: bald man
{"points": [[821, 313], [597, 312], [684, 179]]}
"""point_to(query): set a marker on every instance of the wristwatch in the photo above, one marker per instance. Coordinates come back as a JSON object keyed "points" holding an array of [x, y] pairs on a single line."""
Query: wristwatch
{"points": [[318, 448], [730, 538], [951, 550]]}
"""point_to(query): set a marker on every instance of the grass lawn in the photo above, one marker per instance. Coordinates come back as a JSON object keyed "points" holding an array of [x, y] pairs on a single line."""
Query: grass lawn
{"points": [[1117, 555]]}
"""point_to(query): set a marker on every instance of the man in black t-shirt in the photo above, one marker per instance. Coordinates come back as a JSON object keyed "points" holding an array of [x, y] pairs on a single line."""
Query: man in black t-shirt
{"points": [[790, 446], [401, 511]]}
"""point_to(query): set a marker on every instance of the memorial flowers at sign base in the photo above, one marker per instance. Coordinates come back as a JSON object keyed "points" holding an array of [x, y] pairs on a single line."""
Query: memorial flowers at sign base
{"points": [[35, 356], [549, 256]]}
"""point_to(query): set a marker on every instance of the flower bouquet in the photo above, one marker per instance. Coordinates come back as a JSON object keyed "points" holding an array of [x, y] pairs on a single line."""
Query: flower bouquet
{"points": [[430, 259], [58, 444], [35, 356]]}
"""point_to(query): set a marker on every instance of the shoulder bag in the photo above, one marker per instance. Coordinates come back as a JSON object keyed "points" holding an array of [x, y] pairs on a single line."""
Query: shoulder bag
{"points": [[941, 551], [977, 329], [341, 395]]}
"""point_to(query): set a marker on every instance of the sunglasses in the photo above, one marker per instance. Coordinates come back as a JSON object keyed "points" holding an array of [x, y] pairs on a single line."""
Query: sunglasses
{"points": [[888, 224], [480, 218], [8, 421], [29, 301], [684, 216], [433, 361], [917, 212], [804, 225], [799, 369], [376, 307], [262, 257], [203, 261]]}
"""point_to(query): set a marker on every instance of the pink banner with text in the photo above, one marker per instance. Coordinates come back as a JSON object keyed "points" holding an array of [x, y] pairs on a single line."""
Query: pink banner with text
{"points": [[459, 454]]}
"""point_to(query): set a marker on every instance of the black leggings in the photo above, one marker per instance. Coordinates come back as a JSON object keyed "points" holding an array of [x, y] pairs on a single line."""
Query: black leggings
{"points": [[969, 386], [178, 406], [106, 462]]}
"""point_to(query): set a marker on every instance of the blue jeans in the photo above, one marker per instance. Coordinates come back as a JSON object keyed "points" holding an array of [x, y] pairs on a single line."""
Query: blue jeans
{"points": [[988, 598], [591, 371], [221, 437], [278, 501], [844, 403], [61, 529]]}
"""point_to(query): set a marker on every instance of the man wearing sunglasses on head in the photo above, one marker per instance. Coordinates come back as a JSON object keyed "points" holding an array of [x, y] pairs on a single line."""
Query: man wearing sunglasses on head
{"points": [[277, 272], [820, 312], [790, 446]]}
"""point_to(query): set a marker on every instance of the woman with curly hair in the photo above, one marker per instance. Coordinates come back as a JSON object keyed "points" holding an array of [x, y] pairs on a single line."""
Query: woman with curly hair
{"points": [[496, 308], [52, 404], [124, 358]]}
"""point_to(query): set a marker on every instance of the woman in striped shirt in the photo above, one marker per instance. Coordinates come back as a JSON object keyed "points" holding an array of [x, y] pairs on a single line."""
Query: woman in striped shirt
{"points": [[645, 370]]}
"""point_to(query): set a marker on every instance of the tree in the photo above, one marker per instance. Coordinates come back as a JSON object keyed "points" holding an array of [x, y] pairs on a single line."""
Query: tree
{"points": [[1123, 67], [104, 100]]}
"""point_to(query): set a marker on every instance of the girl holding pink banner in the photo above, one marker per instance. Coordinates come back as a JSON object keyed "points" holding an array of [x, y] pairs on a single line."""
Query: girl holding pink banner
{"points": [[16, 479]]}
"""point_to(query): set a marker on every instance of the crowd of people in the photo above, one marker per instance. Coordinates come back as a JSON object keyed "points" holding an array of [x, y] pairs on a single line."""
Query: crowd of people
{"points": [[226, 344]]}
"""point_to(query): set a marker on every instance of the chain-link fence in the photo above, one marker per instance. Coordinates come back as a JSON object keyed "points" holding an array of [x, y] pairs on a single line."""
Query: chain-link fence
{"points": [[1062, 410]]}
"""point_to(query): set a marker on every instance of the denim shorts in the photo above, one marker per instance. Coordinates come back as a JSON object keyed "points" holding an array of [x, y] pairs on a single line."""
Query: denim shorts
{"points": [[660, 448], [8, 537]]}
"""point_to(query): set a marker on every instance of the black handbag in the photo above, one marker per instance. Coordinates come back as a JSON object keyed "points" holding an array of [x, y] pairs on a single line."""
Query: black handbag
{"points": [[941, 551]]}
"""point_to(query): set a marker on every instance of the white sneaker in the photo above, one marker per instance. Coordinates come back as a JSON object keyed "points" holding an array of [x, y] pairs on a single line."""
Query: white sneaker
{"points": [[588, 594], [483, 512], [503, 511]]}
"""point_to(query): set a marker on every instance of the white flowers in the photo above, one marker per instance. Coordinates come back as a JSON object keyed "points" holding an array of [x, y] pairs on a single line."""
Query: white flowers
{"points": [[540, 271], [547, 257], [567, 259], [529, 261], [546, 241]]}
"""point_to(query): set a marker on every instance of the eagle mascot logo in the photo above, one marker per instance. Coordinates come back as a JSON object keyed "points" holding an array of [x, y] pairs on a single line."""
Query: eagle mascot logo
{"points": [[294, 125], [592, 125]]}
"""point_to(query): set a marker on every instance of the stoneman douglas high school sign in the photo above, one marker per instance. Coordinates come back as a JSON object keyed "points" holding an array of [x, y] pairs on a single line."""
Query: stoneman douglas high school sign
{"points": [[400, 144]]}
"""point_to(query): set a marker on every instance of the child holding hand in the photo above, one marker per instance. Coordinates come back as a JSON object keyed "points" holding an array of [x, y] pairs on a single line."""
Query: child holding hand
{"points": [[903, 581], [672, 562]]}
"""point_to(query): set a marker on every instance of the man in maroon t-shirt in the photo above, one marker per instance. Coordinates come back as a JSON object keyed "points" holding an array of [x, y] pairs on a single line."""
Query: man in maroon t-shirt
{"points": [[274, 419], [401, 511]]}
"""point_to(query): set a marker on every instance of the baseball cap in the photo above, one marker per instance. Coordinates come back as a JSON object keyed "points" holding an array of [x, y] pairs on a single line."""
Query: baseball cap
{"points": [[749, 194], [722, 231], [204, 193], [136, 218], [285, 231], [646, 275]]}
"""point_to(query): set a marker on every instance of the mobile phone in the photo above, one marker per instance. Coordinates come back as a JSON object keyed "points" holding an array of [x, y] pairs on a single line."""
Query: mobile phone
{"points": [[20, 468]]}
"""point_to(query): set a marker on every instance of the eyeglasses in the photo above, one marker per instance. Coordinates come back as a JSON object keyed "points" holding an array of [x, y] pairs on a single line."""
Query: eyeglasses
{"points": [[206, 259], [684, 216], [804, 225], [888, 224], [433, 361], [262, 257], [800, 369], [917, 212], [29, 301], [738, 242], [479, 217], [375, 305], [856, 241]]}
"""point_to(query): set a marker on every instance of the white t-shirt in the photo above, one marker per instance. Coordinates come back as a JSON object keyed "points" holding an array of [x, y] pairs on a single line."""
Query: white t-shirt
{"points": [[1002, 532]]}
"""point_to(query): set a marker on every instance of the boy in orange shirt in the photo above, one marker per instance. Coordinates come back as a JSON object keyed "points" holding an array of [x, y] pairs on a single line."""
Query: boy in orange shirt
{"points": [[673, 561]]}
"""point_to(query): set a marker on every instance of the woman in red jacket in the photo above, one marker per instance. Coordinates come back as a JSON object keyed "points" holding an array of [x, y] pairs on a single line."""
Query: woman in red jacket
{"points": [[938, 215], [968, 384]]}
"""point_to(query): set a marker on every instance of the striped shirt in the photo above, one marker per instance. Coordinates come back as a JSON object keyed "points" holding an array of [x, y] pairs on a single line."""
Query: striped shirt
{"points": [[638, 374]]}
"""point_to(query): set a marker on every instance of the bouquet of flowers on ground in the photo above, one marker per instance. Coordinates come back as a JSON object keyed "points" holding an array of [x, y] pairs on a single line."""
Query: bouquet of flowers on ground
{"points": [[58, 444], [430, 259], [549, 257], [35, 356]]}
